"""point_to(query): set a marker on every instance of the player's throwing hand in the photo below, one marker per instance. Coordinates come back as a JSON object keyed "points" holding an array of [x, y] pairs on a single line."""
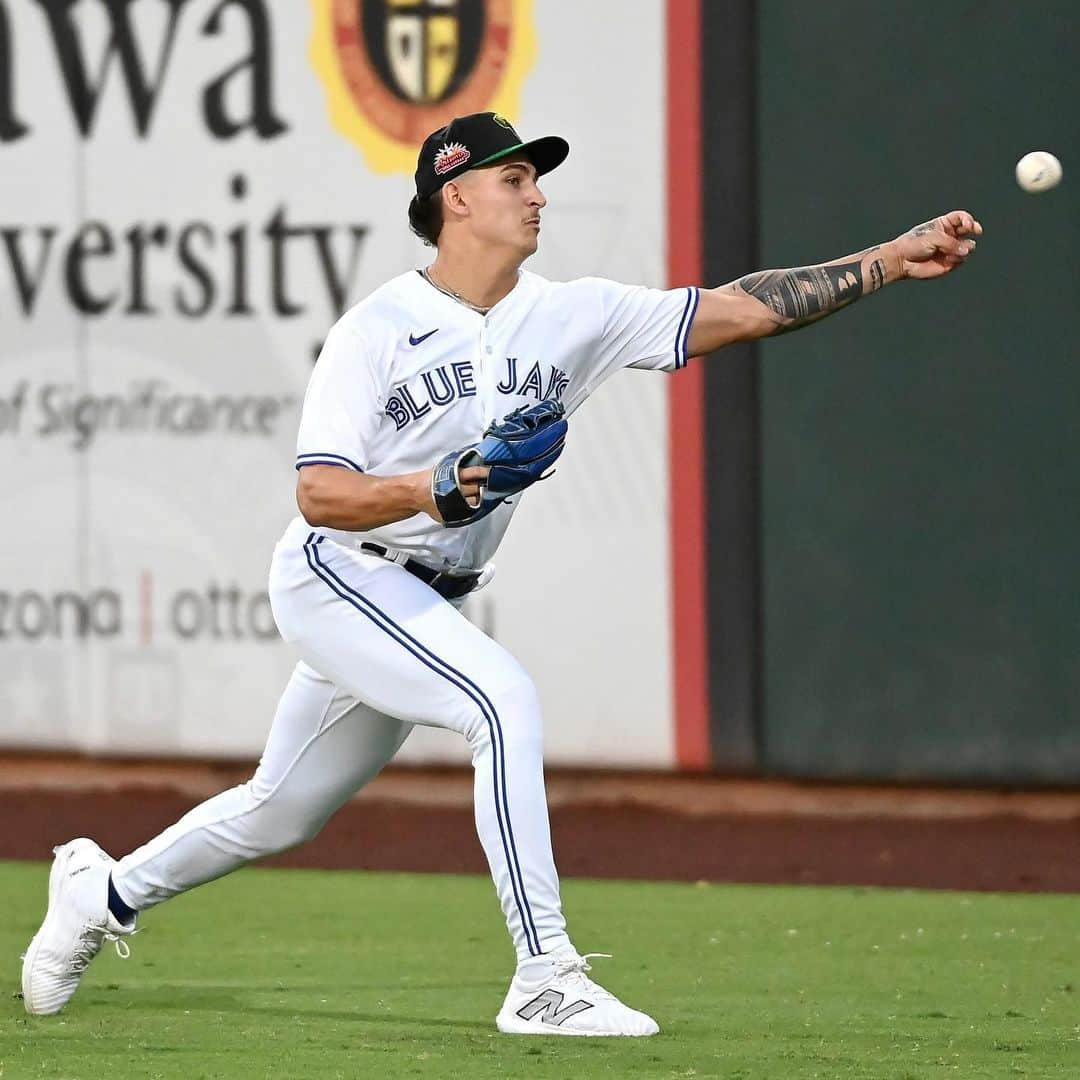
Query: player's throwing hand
{"points": [[937, 246]]}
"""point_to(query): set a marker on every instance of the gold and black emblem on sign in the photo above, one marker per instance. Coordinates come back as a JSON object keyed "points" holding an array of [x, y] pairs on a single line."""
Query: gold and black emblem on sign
{"points": [[398, 69], [423, 50]]}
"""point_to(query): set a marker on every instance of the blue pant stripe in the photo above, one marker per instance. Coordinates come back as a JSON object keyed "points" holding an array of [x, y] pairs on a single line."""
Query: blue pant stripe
{"points": [[502, 810]]}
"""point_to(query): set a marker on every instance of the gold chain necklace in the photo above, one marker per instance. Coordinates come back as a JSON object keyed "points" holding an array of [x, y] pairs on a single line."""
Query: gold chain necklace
{"points": [[453, 295]]}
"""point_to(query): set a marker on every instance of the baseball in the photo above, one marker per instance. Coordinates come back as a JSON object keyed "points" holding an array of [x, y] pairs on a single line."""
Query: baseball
{"points": [[1038, 171]]}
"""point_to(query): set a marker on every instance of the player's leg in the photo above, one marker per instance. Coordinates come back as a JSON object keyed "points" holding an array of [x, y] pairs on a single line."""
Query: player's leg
{"points": [[385, 637], [375, 630], [323, 746]]}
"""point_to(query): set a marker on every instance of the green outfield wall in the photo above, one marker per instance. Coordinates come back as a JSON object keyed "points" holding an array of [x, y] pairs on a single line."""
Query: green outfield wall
{"points": [[920, 493]]}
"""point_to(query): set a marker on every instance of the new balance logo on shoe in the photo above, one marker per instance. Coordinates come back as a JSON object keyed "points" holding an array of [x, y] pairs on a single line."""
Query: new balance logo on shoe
{"points": [[550, 1004]]}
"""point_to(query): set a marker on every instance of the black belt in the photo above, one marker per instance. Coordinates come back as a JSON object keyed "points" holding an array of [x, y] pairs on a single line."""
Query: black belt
{"points": [[448, 586]]}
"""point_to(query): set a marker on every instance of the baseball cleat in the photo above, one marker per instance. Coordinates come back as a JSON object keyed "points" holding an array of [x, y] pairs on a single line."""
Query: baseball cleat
{"points": [[552, 995], [78, 922]]}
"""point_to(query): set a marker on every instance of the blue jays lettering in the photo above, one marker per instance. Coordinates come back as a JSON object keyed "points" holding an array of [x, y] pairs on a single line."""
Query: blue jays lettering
{"points": [[447, 383]]}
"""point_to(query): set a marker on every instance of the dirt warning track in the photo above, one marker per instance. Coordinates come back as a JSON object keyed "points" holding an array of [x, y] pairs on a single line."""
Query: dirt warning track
{"points": [[604, 825]]}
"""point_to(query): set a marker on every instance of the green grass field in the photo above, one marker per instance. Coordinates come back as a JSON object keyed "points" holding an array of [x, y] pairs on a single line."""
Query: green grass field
{"points": [[301, 974]]}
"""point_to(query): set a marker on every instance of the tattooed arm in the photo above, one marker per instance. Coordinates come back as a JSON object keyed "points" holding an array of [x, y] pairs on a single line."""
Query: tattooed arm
{"points": [[776, 301], [797, 297]]}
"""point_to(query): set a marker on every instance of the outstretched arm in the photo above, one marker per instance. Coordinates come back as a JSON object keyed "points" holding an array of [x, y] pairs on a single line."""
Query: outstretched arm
{"points": [[776, 301]]}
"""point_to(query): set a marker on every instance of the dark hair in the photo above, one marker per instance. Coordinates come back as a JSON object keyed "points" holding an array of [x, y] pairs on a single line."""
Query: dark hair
{"points": [[425, 217]]}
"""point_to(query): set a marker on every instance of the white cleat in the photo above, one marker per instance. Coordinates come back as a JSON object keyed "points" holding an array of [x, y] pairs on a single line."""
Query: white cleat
{"points": [[552, 995], [77, 923]]}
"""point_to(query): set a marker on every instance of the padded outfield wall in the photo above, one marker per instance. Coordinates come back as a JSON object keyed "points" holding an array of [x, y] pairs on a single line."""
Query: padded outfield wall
{"points": [[919, 453], [888, 501]]}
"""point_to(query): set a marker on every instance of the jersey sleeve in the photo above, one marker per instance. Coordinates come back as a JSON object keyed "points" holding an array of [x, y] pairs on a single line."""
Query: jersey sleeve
{"points": [[341, 406], [641, 327]]}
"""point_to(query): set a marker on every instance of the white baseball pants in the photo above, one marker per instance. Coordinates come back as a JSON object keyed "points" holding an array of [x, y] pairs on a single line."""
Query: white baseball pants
{"points": [[380, 651]]}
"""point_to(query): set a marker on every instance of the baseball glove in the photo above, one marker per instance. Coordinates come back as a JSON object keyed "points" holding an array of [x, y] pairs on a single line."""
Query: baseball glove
{"points": [[518, 450]]}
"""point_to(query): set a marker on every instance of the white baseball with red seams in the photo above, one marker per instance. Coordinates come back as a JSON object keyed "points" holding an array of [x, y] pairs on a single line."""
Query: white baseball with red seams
{"points": [[406, 376]]}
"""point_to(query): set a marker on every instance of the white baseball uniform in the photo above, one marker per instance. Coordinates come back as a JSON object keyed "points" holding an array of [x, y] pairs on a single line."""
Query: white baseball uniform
{"points": [[406, 376]]}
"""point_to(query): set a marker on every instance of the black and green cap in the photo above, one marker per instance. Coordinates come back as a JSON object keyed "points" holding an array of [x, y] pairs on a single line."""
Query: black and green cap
{"points": [[480, 139]]}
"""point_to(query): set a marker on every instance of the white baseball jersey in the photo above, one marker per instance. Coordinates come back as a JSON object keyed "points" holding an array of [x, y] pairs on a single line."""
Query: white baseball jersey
{"points": [[410, 374]]}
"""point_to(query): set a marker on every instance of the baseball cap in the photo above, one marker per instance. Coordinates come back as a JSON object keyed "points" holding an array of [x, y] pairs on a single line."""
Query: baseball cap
{"points": [[480, 139]]}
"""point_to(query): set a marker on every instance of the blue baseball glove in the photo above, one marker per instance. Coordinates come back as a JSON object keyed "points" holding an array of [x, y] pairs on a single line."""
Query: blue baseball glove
{"points": [[518, 450]]}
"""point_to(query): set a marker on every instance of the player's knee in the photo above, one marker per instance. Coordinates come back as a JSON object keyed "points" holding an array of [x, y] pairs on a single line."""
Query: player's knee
{"points": [[281, 834], [277, 822], [510, 710], [295, 833], [520, 698]]}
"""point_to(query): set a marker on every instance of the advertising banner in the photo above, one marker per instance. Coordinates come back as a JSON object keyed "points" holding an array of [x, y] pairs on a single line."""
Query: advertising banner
{"points": [[191, 193]]}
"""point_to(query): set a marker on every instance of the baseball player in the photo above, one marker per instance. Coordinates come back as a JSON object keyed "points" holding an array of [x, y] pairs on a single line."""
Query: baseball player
{"points": [[403, 500]]}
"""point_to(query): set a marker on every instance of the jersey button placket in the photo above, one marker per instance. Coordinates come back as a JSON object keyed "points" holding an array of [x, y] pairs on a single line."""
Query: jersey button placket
{"points": [[485, 375]]}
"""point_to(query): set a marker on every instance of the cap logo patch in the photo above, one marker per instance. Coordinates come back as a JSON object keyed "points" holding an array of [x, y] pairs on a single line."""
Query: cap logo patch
{"points": [[502, 121], [450, 157]]}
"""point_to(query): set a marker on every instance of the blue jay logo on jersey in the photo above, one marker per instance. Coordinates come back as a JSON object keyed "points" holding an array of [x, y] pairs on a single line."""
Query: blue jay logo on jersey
{"points": [[533, 383], [434, 389]]}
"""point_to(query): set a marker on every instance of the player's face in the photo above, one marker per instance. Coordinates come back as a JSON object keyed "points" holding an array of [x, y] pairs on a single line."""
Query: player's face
{"points": [[505, 204]]}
